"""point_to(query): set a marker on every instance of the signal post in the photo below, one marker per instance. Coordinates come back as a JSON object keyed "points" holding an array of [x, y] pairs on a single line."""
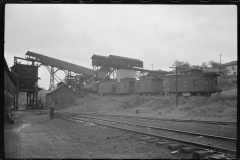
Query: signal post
{"points": [[176, 83]]}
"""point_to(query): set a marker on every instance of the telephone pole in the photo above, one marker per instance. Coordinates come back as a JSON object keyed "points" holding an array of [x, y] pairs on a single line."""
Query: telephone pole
{"points": [[176, 83], [220, 58], [152, 66]]}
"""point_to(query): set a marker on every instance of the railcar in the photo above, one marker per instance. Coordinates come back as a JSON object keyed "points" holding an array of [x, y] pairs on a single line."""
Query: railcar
{"points": [[149, 85], [106, 88], [9, 92], [125, 86], [194, 82], [91, 88]]}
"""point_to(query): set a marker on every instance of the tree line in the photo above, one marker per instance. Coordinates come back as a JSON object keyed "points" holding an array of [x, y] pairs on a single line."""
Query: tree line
{"points": [[212, 64]]}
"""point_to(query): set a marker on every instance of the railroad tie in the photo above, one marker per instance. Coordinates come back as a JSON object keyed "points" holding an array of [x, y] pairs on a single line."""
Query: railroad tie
{"points": [[174, 147], [188, 150], [201, 154], [217, 157]]}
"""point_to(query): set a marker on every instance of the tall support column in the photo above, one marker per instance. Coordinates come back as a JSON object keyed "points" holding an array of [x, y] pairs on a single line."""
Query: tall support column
{"points": [[17, 93], [27, 99], [36, 94], [51, 78]]}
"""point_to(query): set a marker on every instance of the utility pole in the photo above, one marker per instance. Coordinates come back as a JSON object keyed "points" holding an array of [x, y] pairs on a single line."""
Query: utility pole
{"points": [[220, 60], [176, 83], [152, 66]]}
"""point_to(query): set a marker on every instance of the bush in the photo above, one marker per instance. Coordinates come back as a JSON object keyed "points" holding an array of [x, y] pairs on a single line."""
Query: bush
{"points": [[226, 84]]}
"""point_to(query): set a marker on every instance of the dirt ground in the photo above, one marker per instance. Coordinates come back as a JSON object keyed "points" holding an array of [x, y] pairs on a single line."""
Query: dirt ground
{"points": [[34, 135]]}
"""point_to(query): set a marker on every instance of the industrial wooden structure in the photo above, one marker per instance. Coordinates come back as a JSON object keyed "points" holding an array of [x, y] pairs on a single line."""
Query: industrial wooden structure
{"points": [[112, 63], [26, 78], [71, 70], [61, 96]]}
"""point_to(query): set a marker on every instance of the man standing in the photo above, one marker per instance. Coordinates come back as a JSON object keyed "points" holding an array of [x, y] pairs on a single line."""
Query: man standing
{"points": [[52, 110], [12, 109]]}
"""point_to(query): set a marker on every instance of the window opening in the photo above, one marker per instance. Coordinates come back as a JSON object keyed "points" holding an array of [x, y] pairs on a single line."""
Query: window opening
{"points": [[195, 82]]}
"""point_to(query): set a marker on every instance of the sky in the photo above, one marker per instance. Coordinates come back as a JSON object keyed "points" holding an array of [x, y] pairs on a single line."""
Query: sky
{"points": [[155, 34]]}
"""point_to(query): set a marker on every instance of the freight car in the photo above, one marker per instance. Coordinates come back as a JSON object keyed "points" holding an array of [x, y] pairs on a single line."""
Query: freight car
{"points": [[106, 88], [125, 86], [9, 92], [149, 85], [91, 88], [194, 82]]}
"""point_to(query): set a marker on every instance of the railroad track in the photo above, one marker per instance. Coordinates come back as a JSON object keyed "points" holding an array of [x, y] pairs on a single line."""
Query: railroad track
{"points": [[168, 119], [201, 149]]}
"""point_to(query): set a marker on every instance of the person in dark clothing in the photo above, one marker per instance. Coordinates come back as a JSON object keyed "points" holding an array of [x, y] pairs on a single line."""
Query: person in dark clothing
{"points": [[52, 110]]}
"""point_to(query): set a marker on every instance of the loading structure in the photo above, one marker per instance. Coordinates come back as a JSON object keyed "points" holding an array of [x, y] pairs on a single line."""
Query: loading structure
{"points": [[26, 78], [71, 70], [110, 64]]}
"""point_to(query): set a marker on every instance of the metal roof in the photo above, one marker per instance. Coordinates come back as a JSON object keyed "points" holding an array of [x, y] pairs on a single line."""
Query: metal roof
{"points": [[132, 59], [231, 63], [63, 65], [95, 55], [60, 87]]}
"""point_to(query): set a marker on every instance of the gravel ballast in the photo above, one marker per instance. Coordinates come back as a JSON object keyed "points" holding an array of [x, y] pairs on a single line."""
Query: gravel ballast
{"points": [[36, 136]]}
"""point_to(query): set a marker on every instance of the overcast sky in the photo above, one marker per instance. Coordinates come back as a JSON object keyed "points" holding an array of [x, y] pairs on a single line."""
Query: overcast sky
{"points": [[155, 34]]}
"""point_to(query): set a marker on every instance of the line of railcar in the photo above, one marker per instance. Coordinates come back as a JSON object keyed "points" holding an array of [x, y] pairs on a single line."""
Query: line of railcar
{"points": [[146, 85], [9, 92], [191, 82]]}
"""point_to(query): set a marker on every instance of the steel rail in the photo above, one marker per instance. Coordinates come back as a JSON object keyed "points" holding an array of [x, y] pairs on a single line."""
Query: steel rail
{"points": [[165, 129], [199, 145], [167, 119]]}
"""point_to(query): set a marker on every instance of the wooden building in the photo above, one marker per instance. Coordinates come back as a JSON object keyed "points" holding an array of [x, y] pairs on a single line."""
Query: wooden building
{"points": [[62, 97]]}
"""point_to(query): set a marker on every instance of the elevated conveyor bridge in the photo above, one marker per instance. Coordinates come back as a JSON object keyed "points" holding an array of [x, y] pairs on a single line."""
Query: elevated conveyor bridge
{"points": [[68, 68]]}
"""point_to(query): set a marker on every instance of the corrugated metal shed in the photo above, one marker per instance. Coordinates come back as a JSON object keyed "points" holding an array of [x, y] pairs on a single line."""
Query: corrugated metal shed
{"points": [[62, 97]]}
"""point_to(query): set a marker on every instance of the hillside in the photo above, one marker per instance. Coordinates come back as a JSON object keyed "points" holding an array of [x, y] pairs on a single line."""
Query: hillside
{"points": [[227, 82], [217, 107]]}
